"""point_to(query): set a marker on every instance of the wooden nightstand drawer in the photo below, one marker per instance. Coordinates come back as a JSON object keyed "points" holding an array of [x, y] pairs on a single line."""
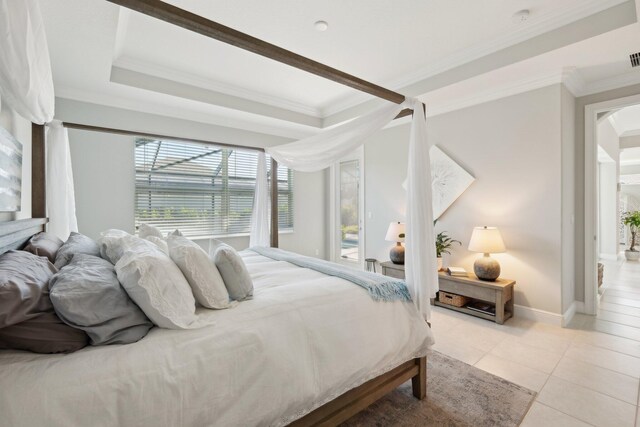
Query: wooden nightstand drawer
{"points": [[483, 294]]}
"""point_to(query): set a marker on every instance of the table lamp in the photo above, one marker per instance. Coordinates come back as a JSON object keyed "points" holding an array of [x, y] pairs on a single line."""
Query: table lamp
{"points": [[486, 240], [395, 233]]}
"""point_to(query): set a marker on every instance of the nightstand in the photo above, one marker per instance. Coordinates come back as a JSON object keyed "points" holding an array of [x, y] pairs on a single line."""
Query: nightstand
{"points": [[498, 294], [393, 270]]}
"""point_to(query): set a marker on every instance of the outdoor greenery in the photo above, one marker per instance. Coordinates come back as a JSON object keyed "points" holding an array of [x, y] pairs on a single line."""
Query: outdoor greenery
{"points": [[632, 220], [349, 229]]}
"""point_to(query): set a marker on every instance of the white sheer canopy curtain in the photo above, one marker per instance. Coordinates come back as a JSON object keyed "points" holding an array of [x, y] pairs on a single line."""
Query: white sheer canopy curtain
{"points": [[259, 235], [326, 148], [26, 84], [61, 202]]}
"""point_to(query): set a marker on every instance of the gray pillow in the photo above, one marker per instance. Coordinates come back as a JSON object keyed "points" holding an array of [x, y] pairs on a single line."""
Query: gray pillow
{"points": [[27, 318], [44, 244], [87, 295], [232, 269], [76, 244]]}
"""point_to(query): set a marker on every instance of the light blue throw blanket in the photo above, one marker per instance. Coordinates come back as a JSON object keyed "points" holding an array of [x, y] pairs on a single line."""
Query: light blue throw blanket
{"points": [[380, 288]]}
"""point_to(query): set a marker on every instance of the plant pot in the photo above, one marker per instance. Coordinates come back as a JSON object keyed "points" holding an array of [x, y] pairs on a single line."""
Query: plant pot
{"points": [[632, 255], [439, 263]]}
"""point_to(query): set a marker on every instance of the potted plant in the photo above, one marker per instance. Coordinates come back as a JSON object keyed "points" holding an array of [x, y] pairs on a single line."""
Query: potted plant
{"points": [[632, 220], [443, 245]]}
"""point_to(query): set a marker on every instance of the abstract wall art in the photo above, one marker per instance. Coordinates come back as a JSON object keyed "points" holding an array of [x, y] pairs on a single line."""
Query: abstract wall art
{"points": [[10, 172], [448, 179]]}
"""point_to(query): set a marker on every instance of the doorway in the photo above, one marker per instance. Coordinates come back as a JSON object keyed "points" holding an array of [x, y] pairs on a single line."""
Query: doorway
{"points": [[612, 192], [347, 219]]}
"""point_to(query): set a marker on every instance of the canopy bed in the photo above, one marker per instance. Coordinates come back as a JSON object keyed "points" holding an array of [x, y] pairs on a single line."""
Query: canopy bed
{"points": [[280, 342]]}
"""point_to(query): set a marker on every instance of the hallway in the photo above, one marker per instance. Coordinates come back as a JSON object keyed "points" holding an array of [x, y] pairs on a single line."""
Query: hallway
{"points": [[619, 308]]}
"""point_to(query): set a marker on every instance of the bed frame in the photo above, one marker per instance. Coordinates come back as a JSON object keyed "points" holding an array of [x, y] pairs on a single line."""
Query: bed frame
{"points": [[15, 234]]}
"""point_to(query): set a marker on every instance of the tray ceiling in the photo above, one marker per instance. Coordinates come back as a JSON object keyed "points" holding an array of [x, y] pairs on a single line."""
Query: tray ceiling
{"points": [[102, 52]]}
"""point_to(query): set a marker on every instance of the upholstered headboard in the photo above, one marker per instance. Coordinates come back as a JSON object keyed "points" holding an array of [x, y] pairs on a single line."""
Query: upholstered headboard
{"points": [[15, 234]]}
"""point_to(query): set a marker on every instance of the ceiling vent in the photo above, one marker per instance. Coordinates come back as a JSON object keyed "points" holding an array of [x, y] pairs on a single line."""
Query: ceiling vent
{"points": [[635, 59]]}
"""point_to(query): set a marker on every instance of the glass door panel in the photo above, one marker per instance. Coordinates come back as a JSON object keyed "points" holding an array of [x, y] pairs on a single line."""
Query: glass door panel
{"points": [[349, 205]]}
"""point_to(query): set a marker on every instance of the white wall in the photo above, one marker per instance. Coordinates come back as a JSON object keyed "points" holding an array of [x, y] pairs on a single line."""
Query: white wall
{"points": [[513, 148], [567, 123], [105, 183], [629, 169], [20, 128], [607, 210], [608, 201]]}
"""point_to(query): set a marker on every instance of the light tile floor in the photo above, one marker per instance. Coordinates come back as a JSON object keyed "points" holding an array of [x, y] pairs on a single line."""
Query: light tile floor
{"points": [[587, 374]]}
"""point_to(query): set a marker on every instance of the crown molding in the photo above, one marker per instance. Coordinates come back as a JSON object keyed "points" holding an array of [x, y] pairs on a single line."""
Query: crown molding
{"points": [[283, 128], [498, 92], [536, 27], [621, 80], [573, 81], [132, 64]]}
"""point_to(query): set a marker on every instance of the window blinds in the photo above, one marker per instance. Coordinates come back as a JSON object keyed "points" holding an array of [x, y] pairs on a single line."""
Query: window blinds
{"points": [[203, 190]]}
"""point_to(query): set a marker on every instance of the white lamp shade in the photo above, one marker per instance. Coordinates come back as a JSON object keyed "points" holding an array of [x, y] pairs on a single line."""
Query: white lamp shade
{"points": [[395, 233], [486, 240]]}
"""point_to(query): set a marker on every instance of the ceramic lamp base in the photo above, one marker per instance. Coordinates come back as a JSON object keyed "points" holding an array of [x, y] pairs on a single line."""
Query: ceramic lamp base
{"points": [[397, 254], [486, 268]]}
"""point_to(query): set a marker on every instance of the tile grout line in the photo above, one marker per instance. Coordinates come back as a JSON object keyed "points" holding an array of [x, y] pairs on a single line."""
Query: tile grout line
{"points": [[562, 412], [593, 389]]}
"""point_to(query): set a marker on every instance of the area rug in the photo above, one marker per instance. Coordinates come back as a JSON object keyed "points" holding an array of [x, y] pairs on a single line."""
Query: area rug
{"points": [[457, 395]]}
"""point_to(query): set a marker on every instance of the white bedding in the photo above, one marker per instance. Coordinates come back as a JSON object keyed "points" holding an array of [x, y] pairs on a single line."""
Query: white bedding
{"points": [[304, 339]]}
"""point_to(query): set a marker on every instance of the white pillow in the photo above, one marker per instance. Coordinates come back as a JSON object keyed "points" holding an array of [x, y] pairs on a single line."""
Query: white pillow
{"points": [[156, 284], [234, 273], [200, 271], [146, 230], [113, 244], [159, 242], [175, 232]]}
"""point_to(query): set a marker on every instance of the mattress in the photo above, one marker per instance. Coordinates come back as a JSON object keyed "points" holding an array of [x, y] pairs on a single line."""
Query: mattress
{"points": [[304, 339]]}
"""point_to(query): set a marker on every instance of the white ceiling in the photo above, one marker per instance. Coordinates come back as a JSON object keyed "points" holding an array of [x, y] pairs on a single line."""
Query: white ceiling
{"points": [[104, 54], [626, 121]]}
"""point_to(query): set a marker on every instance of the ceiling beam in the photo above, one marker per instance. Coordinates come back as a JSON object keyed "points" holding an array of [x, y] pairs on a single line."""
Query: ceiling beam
{"points": [[201, 25]]}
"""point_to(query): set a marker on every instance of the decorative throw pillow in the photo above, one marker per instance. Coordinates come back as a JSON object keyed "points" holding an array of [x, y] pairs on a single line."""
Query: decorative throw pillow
{"points": [[234, 273], [44, 244], [76, 244], [200, 271], [157, 285], [146, 230], [86, 295], [45, 333], [27, 318]]}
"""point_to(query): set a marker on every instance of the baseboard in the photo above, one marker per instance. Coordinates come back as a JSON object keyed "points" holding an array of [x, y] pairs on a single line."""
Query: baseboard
{"points": [[568, 315], [609, 257], [537, 315]]}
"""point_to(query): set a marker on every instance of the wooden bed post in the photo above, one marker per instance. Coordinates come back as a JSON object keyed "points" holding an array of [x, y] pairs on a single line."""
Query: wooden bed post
{"points": [[274, 203], [38, 172], [419, 382]]}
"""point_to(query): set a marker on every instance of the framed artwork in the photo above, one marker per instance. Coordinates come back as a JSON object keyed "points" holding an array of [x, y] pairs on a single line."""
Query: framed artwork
{"points": [[10, 172], [448, 179]]}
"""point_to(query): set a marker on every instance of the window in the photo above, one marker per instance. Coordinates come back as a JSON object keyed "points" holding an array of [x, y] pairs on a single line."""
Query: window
{"points": [[203, 190]]}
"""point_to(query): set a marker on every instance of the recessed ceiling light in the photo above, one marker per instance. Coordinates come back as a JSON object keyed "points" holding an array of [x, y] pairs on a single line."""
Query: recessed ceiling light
{"points": [[521, 15], [321, 25]]}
